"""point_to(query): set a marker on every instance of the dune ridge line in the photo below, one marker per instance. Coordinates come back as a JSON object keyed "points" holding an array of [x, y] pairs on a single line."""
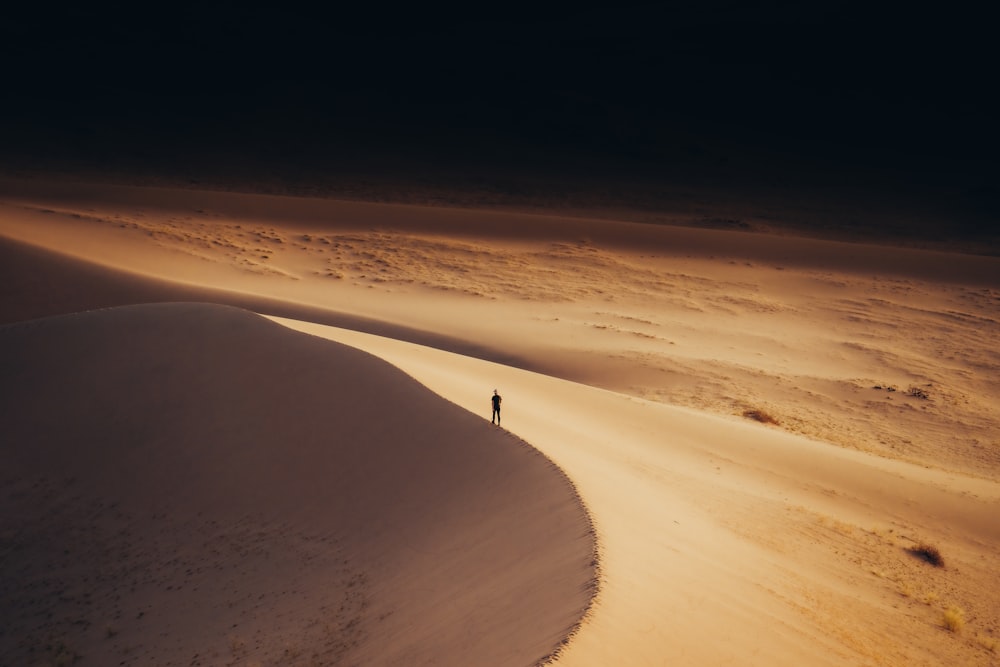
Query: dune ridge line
{"points": [[264, 495]]}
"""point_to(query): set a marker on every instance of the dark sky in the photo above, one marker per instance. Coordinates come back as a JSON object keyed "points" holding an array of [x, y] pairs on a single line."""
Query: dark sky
{"points": [[671, 88]]}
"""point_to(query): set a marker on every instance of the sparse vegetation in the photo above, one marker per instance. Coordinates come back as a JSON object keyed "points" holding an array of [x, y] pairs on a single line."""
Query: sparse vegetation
{"points": [[987, 642], [928, 553], [886, 387], [761, 416], [953, 619], [913, 390]]}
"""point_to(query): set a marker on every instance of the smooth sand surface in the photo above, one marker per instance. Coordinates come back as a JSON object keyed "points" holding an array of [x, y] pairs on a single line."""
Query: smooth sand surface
{"points": [[192, 484], [716, 533], [632, 357]]}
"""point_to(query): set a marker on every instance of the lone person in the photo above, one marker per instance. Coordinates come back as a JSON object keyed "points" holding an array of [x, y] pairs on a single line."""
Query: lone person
{"points": [[496, 407]]}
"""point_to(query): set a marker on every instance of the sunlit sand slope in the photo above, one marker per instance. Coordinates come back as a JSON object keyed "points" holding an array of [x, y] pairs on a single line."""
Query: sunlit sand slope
{"points": [[729, 543], [765, 429]]}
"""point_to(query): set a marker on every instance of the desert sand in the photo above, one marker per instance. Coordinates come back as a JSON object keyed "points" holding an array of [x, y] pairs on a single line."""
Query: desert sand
{"points": [[757, 433]]}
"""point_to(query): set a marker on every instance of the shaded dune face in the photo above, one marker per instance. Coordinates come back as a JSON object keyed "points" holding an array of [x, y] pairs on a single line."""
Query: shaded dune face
{"points": [[193, 484]]}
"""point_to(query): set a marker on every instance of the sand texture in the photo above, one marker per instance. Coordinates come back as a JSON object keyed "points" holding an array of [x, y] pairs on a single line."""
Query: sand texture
{"points": [[202, 486], [764, 432]]}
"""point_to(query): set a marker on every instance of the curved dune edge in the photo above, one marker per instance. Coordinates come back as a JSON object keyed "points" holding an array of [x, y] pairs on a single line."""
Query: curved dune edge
{"points": [[722, 541], [715, 533], [191, 483]]}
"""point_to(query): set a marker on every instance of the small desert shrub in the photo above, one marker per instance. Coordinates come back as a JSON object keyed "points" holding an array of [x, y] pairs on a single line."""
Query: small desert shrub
{"points": [[953, 619], [928, 553], [760, 416], [917, 392]]}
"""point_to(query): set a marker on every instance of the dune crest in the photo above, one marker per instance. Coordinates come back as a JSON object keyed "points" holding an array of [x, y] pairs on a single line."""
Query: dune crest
{"points": [[727, 542], [193, 484], [772, 434]]}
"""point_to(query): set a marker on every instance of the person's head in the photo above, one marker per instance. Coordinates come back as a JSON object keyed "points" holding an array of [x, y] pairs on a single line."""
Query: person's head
{"points": [[494, 391]]}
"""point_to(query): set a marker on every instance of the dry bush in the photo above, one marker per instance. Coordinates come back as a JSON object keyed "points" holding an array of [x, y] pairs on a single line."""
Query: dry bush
{"points": [[953, 619], [761, 416], [928, 553]]}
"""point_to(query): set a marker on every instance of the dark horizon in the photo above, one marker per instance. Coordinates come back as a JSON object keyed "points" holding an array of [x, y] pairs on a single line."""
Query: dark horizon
{"points": [[715, 94]]}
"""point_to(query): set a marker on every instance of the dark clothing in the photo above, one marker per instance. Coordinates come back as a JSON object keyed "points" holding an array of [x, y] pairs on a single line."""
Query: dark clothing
{"points": [[496, 408]]}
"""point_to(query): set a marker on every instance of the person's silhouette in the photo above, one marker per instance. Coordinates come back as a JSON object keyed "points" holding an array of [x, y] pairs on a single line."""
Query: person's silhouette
{"points": [[496, 407]]}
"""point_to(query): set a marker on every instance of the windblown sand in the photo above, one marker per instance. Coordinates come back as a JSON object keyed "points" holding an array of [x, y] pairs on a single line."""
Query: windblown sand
{"points": [[763, 429]]}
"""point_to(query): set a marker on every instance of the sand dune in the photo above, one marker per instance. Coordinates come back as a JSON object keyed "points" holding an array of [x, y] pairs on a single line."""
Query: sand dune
{"points": [[631, 356], [191, 484], [719, 321], [724, 542]]}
